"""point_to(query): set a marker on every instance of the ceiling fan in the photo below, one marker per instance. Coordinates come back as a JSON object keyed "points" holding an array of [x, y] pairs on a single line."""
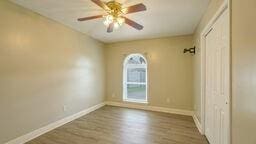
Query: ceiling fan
{"points": [[114, 17]]}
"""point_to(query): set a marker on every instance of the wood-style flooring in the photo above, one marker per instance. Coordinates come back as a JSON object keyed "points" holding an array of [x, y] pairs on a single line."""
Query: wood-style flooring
{"points": [[114, 125]]}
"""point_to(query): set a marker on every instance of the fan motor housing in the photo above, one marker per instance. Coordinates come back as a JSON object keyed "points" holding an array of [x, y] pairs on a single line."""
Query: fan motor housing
{"points": [[115, 8]]}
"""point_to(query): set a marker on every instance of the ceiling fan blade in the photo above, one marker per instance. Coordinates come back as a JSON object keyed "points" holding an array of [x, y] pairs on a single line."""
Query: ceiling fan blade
{"points": [[90, 18], [110, 28], [133, 24], [135, 8], [100, 4]]}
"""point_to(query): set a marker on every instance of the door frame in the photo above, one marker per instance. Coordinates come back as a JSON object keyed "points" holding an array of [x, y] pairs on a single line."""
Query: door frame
{"points": [[225, 6]]}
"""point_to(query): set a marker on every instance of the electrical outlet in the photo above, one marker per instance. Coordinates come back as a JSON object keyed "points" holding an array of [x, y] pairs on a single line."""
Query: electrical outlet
{"points": [[113, 95], [64, 108]]}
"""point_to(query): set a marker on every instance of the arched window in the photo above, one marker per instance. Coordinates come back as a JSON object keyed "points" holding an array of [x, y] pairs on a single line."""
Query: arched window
{"points": [[135, 79]]}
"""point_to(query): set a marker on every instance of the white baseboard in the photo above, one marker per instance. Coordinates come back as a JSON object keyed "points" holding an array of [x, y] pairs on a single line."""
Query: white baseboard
{"points": [[151, 108], [27, 137], [198, 124]]}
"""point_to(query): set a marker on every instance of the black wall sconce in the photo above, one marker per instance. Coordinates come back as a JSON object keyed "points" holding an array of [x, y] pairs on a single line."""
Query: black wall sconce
{"points": [[190, 50]]}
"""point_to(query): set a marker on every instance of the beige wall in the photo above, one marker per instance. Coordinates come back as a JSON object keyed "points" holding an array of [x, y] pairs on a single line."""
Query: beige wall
{"points": [[212, 9], [43, 66], [244, 71], [169, 70]]}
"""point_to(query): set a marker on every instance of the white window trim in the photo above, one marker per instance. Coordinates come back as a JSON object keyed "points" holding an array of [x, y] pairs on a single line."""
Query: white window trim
{"points": [[125, 66]]}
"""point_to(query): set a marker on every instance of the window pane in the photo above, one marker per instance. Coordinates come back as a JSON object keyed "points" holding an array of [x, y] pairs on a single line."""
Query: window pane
{"points": [[135, 91], [136, 75], [136, 60]]}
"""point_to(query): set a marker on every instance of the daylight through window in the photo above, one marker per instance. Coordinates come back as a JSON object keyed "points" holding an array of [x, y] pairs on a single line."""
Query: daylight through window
{"points": [[135, 79]]}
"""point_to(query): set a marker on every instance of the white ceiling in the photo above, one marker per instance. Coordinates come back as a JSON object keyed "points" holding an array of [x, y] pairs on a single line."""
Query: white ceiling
{"points": [[163, 17]]}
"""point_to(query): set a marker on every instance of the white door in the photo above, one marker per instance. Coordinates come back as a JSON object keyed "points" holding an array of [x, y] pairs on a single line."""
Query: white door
{"points": [[217, 82]]}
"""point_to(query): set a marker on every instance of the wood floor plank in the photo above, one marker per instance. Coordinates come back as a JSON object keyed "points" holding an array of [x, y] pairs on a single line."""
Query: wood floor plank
{"points": [[115, 125]]}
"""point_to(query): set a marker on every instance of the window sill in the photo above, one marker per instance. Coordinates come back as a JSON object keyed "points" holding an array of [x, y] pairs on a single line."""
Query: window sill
{"points": [[135, 101]]}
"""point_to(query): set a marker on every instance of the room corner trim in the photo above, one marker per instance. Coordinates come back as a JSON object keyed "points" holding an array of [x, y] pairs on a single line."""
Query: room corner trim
{"points": [[29, 136], [198, 124], [151, 108]]}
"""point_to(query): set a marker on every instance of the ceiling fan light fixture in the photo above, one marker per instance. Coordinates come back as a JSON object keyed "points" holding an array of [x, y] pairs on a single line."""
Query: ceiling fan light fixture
{"points": [[116, 25], [108, 20], [115, 14], [118, 22]]}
